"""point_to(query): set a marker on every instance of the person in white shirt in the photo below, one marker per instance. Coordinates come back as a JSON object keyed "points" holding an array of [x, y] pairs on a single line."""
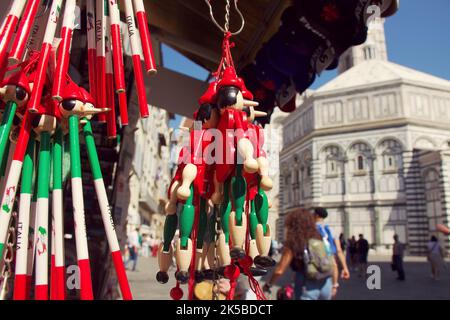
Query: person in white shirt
{"points": [[133, 248], [146, 245]]}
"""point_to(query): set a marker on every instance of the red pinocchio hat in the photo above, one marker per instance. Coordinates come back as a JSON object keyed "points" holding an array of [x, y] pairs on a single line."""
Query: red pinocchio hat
{"points": [[230, 79], [72, 92], [18, 79], [86, 96], [210, 94], [245, 92]]}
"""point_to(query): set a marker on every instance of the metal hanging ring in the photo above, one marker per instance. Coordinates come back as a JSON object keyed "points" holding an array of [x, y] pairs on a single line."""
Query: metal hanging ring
{"points": [[225, 30]]}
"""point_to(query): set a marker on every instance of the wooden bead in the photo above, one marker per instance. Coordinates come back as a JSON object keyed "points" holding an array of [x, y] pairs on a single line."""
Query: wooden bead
{"points": [[253, 249], [246, 150], [183, 256], [223, 251], [189, 174], [263, 241], [204, 291], [266, 182], [237, 233], [171, 206], [164, 258], [199, 259]]}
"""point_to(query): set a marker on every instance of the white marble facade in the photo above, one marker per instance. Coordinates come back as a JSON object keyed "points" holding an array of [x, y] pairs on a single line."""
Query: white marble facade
{"points": [[373, 147]]}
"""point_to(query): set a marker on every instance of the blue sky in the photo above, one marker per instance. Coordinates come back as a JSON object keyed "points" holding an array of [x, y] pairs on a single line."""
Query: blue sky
{"points": [[418, 36]]}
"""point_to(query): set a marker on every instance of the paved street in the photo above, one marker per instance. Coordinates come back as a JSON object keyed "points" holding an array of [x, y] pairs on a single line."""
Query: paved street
{"points": [[418, 284]]}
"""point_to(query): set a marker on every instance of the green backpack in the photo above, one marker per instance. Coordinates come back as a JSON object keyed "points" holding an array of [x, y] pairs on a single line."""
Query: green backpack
{"points": [[318, 264]]}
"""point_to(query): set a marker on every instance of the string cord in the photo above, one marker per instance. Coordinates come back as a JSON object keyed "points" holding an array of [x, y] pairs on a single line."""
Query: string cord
{"points": [[226, 28]]}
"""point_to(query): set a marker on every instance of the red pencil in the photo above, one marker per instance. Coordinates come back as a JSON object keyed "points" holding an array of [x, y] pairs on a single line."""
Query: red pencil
{"points": [[135, 49], [100, 26], [23, 31], [6, 32], [62, 65], [119, 75], [44, 56], [146, 42], [111, 128]]}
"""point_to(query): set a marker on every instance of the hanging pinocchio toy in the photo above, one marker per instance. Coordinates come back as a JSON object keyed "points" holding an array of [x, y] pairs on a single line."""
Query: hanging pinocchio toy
{"points": [[223, 208]]}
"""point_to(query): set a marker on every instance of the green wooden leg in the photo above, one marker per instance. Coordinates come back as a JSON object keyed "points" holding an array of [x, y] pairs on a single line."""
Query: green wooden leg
{"points": [[239, 188], [225, 210], [187, 220]]}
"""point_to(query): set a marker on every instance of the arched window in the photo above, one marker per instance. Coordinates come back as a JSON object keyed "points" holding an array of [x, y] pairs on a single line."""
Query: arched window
{"points": [[389, 161], [332, 166], [369, 53], [360, 163], [288, 189]]}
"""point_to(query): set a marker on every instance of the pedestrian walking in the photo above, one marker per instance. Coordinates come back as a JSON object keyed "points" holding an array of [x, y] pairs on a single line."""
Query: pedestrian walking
{"points": [[362, 249], [133, 248], [342, 242], [146, 241], [435, 255], [304, 250], [397, 258], [334, 245], [353, 253]]}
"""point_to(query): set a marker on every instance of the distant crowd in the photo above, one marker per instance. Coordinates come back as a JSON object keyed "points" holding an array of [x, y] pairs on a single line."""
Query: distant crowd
{"points": [[318, 260]]}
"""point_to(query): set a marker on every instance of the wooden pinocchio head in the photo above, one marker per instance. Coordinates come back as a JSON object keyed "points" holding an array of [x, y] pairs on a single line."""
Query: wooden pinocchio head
{"points": [[16, 88], [231, 90], [77, 101]]}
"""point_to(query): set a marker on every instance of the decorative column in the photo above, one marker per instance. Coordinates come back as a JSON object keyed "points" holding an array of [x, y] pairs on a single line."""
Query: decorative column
{"points": [[377, 227], [375, 176], [346, 178], [346, 218]]}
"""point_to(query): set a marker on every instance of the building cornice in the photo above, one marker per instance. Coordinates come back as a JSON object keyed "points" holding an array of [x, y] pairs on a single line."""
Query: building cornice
{"points": [[373, 125]]}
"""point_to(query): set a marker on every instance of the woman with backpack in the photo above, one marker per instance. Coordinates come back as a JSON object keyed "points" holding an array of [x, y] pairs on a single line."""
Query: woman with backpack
{"points": [[304, 250]]}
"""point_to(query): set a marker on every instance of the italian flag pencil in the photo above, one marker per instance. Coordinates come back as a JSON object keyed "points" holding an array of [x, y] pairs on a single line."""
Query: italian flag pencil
{"points": [[23, 241], [43, 178], [5, 126], [147, 50], [52, 261], [78, 211], [91, 45], [37, 31], [105, 209], [32, 229], [100, 64], [23, 31], [12, 180], [8, 28], [58, 216], [3, 165], [119, 75], [136, 52], [44, 56], [111, 128], [62, 65], [117, 54]]}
